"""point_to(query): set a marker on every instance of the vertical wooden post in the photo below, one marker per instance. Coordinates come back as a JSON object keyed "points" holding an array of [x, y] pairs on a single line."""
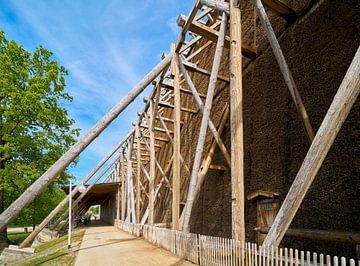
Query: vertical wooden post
{"points": [[176, 145], [324, 138], [236, 125], [123, 197], [138, 171], [117, 174], [130, 186], [152, 162], [204, 123]]}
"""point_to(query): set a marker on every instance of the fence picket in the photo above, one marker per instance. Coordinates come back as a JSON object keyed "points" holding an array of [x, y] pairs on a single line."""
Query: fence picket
{"points": [[211, 250]]}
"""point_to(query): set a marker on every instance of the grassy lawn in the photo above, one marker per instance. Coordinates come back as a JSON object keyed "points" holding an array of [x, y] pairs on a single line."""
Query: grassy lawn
{"points": [[55, 252], [17, 238]]}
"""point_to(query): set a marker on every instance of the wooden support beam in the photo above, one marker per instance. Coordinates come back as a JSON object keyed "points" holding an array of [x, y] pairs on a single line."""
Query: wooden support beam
{"points": [[123, 197], [217, 167], [200, 104], [280, 7], [118, 194], [212, 35], [199, 50], [236, 126], [152, 161], [205, 165], [217, 5], [194, 68], [176, 145], [156, 144], [289, 80], [183, 109], [172, 141], [324, 235], [145, 172], [65, 201], [156, 138], [204, 122], [167, 169], [171, 87], [157, 129], [166, 119], [187, 24], [60, 165], [198, 38], [325, 136]]}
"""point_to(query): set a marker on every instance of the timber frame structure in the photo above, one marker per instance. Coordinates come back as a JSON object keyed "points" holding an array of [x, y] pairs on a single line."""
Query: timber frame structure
{"points": [[148, 163]]}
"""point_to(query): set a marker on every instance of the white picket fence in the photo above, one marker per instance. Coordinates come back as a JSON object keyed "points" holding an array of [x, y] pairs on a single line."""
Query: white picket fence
{"points": [[209, 250]]}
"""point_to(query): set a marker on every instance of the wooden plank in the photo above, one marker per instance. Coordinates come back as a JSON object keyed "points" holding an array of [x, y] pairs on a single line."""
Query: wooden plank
{"points": [[204, 123], [236, 126], [324, 235], [212, 35], [333, 121], [289, 80], [60, 165]]}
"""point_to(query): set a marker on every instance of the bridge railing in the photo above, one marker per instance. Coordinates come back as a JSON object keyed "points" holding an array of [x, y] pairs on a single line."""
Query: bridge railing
{"points": [[210, 250]]}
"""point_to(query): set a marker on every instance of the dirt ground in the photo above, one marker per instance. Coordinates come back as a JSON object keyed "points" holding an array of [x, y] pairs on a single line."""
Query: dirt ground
{"points": [[107, 245]]}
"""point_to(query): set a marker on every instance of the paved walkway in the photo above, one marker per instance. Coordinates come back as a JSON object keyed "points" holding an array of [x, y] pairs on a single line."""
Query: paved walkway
{"points": [[107, 245]]}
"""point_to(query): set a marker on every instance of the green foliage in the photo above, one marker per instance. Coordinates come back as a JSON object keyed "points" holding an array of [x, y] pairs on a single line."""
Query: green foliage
{"points": [[40, 207], [95, 209], [17, 238], [35, 129]]}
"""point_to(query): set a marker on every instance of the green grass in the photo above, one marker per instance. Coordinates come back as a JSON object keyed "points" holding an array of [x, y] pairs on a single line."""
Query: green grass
{"points": [[54, 252], [17, 238]]}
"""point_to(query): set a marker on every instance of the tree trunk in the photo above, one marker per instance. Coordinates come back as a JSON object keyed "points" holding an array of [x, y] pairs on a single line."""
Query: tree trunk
{"points": [[4, 241]]}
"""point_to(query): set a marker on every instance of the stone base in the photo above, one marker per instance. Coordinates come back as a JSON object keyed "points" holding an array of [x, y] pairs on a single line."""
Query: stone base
{"points": [[13, 253], [44, 236]]}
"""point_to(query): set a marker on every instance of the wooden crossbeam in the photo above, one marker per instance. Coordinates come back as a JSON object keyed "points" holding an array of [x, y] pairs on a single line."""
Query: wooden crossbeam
{"points": [[183, 109], [194, 68], [157, 129], [212, 35], [198, 51], [279, 7], [171, 87], [166, 119], [217, 167]]}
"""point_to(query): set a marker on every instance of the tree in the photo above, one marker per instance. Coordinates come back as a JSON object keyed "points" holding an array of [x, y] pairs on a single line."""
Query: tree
{"points": [[35, 129]]}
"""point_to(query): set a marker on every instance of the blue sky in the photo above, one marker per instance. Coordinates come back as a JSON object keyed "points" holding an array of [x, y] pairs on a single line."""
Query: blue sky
{"points": [[107, 47]]}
